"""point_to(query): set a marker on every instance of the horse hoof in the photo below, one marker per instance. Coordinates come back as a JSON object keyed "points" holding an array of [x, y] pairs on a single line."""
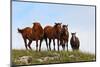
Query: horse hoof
{"points": [[39, 50]]}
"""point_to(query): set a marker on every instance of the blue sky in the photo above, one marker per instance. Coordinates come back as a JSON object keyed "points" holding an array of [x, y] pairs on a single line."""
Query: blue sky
{"points": [[81, 19]]}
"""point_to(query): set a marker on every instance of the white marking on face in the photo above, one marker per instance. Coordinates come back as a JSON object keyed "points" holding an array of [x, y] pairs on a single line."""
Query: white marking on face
{"points": [[73, 37]]}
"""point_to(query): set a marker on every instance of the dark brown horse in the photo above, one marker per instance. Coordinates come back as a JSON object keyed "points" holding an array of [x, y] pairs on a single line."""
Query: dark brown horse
{"points": [[52, 32], [75, 43], [32, 34], [64, 36]]}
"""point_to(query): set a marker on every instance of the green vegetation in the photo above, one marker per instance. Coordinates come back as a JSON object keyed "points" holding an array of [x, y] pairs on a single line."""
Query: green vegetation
{"points": [[57, 57]]}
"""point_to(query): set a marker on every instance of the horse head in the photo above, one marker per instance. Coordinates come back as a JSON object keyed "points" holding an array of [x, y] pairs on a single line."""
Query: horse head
{"points": [[58, 27], [37, 29], [73, 36], [36, 24], [65, 27]]}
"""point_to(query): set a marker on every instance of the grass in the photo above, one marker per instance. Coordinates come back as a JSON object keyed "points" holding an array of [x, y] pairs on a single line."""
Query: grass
{"points": [[70, 56]]}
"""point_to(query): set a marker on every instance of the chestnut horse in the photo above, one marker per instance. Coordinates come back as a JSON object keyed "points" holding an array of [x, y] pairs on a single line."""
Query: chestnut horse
{"points": [[52, 33], [64, 36], [75, 43], [32, 34]]}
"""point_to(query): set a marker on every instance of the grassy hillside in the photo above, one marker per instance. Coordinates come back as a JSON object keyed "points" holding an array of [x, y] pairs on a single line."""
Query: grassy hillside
{"points": [[60, 57]]}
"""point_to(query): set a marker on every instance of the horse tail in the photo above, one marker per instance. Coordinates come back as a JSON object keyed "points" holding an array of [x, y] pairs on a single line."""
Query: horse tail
{"points": [[20, 31]]}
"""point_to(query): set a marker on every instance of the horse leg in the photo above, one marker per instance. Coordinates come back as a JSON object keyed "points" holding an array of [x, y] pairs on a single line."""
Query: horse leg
{"points": [[46, 43], [63, 46], [36, 45], [49, 44], [40, 44], [58, 44], [29, 44], [61, 41], [25, 41], [73, 47], [67, 46], [54, 43]]}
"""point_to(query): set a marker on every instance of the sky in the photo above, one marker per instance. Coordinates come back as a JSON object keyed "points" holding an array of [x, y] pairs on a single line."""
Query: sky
{"points": [[80, 19]]}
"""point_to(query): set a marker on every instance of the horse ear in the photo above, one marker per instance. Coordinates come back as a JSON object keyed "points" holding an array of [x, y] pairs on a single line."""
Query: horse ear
{"points": [[32, 23], [55, 23], [60, 23], [75, 32], [17, 28], [66, 26]]}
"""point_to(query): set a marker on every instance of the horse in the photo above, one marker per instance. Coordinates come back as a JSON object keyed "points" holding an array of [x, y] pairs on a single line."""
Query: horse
{"points": [[26, 34], [52, 32], [74, 41], [37, 34], [64, 36], [32, 34]]}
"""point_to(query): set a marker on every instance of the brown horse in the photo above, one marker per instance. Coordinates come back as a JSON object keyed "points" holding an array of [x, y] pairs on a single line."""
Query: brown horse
{"points": [[26, 34], [75, 43], [32, 34], [37, 34], [52, 33], [64, 36]]}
